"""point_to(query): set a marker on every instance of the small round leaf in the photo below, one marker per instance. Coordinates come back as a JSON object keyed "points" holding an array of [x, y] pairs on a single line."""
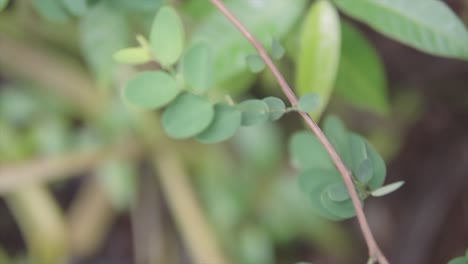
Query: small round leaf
{"points": [[277, 51], [309, 102], [151, 89], [135, 55], [197, 67], [253, 112], [364, 171], [255, 63], [338, 192], [226, 121], [76, 7], [187, 116], [341, 209], [276, 107], [167, 36], [307, 152]]}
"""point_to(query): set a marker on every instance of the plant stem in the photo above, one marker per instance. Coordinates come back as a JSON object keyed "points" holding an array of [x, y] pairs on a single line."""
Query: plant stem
{"points": [[374, 250]]}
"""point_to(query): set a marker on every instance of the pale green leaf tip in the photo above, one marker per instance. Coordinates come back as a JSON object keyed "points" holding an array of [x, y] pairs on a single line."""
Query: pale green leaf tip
{"points": [[387, 189]]}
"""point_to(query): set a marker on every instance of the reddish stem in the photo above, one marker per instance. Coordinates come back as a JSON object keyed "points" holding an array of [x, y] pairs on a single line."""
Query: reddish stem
{"points": [[374, 250]]}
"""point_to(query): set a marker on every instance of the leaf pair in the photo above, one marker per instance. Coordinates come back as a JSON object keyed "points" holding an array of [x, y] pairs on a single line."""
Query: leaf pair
{"points": [[321, 181]]}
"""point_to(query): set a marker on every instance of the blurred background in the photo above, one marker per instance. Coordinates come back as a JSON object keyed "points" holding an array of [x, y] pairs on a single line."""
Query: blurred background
{"points": [[84, 179]]}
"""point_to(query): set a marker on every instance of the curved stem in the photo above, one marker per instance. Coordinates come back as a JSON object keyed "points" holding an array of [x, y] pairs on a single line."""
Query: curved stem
{"points": [[374, 250]]}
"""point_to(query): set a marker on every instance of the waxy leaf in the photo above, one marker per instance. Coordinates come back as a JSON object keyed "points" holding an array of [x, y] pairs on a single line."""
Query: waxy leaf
{"points": [[319, 52], [151, 89], [337, 192], [307, 152], [226, 122], [3, 4], [384, 190], [361, 76], [255, 63], [308, 102], [427, 25], [167, 36], [277, 50], [253, 112], [276, 107], [197, 67], [136, 55], [342, 210], [313, 182], [187, 116]]}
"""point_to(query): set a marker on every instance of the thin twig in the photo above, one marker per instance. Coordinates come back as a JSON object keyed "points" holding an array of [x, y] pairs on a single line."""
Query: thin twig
{"points": [[374, 250]]}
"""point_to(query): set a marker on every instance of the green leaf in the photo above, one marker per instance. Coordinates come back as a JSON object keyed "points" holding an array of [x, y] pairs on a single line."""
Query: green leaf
{"points": [[364, 171], [263, 18], [277, 50], [76, 7], [313, 182], [167, 36], [343, 210], [308, 102], [103, 31], [459, 260], [119, 179], [337, 192], [197, 67], [361, 76], [276, 107], [361, 150], [337, 134], [137, 6], [135, 55], [319, 51], [226, 122], [427, 25], [306, 151], [151, 89], [51, 10], [384, 190], [187, 116], [253, 112], [255, 63], [3, 4]]}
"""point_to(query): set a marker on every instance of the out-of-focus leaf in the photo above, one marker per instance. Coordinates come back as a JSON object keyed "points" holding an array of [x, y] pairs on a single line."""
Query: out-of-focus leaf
{"points": [[361, 77], [167, 36], [76, 7], [459, 260], [103, 31], [256, 246], [187, 116], [226, 122], [136, 55], [276, 107], [253, 112], [264, 18], [319, 52], [3, 4], [255, 63], [308, 102], [119, 178], [277, 51], [197, 67], [137, 6], [51, 10], [427, 25], [151, 89]]}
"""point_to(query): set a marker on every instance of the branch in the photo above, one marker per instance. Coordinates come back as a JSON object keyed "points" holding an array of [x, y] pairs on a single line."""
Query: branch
{"points": [[374, 250], [13, 176]]}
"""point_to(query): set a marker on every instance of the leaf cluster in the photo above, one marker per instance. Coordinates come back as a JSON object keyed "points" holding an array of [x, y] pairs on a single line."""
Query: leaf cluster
{"points": [[320, 180]]}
